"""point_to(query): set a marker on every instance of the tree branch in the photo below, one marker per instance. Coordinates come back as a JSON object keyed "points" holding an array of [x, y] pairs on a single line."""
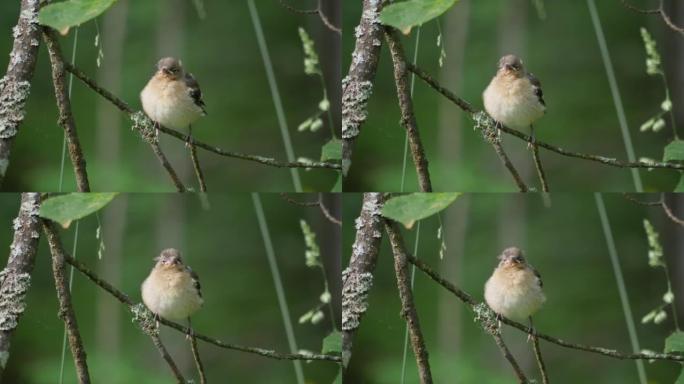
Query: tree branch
{"points": [[318, 11], [167, 357], [198, 169], [124, 107], [464, 105], [467, 299], [357, 278], [660, 10], [408, 118], [498, 148], [538, 356], [126, 300], [196, 356], [66, 118], [66, 309], [540, 168], [318, 203], [167, 166], [509, 356], [15, 279], [408, 307], [357, 86], [15, 85]]}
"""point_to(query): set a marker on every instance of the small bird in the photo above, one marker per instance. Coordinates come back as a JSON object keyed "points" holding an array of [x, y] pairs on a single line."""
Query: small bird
{"points": [[514, 97], [172, 290], [515, 288], [172, 97]]}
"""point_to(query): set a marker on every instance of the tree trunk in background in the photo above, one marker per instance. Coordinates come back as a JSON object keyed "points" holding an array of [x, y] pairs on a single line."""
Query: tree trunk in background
{"points": [[112, 37], [454, 37], [171, 42], [109, 268], [449, 316], [330, 51]]}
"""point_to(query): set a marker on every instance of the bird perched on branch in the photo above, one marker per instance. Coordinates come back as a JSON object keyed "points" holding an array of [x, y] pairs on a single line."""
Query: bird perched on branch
{"points": [[515, 288], [172, 97], [172, 290], [514, 97]]}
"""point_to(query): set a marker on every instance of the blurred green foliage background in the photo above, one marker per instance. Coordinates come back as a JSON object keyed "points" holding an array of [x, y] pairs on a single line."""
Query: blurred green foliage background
{"points": [[222, 52], [566, 244], [562, 51], [224, 246]]}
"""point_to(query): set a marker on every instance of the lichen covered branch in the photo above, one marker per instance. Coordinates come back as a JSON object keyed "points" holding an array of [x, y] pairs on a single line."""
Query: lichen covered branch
{"points": [[408, 307], [66, 118], [408, 117], [15, 86], [357, 278], [357, 86], [15, 279], [66, 309]]}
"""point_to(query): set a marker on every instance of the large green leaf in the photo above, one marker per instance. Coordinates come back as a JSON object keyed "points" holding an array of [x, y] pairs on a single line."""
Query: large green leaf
{"points": [[65, 14], [674, 151], [338, 379], [675, 343], [332, 344], [66, 208], [410, 13], [408, 209], [680, 379], [332, 150], [338, 184], [680, 185]]}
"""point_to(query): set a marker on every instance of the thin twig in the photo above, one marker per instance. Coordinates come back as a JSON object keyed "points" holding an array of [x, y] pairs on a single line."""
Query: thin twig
{"points": [[408, 117], [317, 11], [408, 306], [498, 148], [326, 212], [124, 107], [357, 86], [297, 10], [167, 166], [327, 21], [125, 299], [66, 117], [538, 356], [66, 309], [540, 169], [290, 200], [167, 357], [357, 278], [509, 356], [196, 355], [669, 212], [196, 164], [600, 159], [466, 298], [16, 277], [15, 86], [660, 10]]}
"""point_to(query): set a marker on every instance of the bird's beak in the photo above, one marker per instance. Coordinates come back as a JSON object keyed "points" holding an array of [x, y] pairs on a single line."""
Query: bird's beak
{"points": [[508, 67], [166, 71]]}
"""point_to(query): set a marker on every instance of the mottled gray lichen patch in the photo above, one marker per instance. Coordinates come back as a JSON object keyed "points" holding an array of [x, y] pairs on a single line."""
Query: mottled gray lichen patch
{"points": [[487, 127], [487, 319], [145, 319], [354, 297], [13, 96], [145, 127], [354, 102], [13, 288]]}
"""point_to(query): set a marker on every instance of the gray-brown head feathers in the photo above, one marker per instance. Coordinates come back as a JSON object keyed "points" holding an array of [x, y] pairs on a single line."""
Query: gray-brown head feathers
{"points": [[512, 255], [170, 66], [510, 63], [169, 256]]}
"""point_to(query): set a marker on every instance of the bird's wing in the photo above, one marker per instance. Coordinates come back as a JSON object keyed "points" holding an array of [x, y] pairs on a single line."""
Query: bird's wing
{"points": [[539, 279], [536, 86], [195, 280], [194, 90]]}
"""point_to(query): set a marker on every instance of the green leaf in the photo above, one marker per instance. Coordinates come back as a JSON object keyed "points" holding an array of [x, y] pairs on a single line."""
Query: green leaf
{"points": [[338, 184], [66, 208], [332, 344], [63, 15], [674, 151], [408, 209], [675, 343], [680, 379], [680, 184], [338, 379], [410, 13], [332, 150]]}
